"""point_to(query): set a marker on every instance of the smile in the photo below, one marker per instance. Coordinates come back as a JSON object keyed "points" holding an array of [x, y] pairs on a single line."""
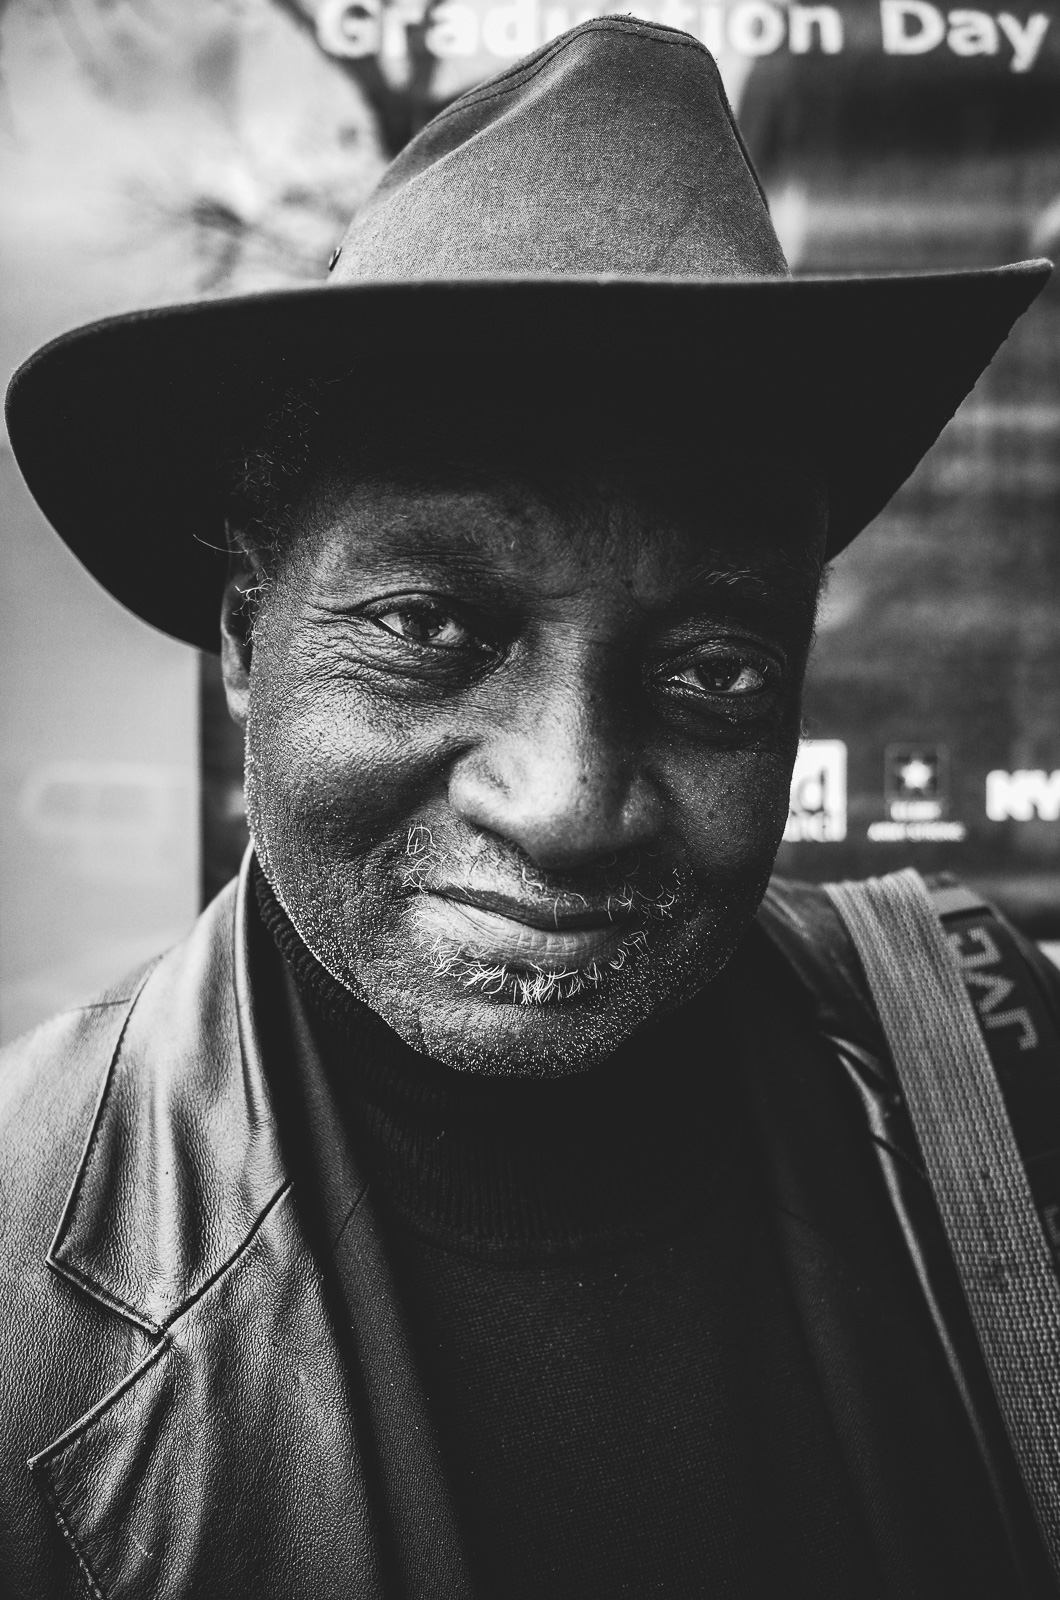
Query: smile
{"points": [[495, 929]]}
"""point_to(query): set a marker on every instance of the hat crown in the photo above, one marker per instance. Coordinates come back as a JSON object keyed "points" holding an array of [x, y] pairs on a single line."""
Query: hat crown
{"points": [[611, 150]]}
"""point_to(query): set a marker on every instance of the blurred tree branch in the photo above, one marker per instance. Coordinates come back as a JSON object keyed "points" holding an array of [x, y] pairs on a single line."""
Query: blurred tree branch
{"points": [[208, 174], [400, 112]]}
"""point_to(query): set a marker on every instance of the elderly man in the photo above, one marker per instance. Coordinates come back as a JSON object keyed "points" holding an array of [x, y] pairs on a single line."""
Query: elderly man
{"points": [[479, 1202]]}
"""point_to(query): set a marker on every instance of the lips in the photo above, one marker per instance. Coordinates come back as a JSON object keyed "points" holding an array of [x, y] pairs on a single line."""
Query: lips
{"points": [[496, 928], [558, 912]]}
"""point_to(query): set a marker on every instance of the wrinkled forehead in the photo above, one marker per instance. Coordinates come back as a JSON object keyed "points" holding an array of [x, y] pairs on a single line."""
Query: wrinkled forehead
{"points": [[564, 531]]}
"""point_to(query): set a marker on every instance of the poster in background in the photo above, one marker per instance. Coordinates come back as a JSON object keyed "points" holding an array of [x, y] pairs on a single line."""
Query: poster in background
{"points": [[939, 640]]}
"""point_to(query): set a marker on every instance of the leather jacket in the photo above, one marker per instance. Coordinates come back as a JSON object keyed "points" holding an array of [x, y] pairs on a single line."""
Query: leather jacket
{"points": [[170, 1361]]}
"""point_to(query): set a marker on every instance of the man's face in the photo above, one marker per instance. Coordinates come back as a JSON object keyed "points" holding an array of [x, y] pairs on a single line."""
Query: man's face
{"points": [[518, 761]]}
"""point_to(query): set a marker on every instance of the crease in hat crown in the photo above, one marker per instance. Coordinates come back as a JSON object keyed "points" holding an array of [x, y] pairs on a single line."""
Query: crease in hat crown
{"points": [[612, 150]]}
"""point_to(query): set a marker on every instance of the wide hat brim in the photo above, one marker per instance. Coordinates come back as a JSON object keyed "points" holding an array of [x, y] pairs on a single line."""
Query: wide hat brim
{"points": [[121, 428]]}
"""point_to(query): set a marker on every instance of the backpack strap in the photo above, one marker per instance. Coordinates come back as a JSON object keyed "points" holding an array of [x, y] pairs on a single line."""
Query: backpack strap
{"points": [[924, 979]]}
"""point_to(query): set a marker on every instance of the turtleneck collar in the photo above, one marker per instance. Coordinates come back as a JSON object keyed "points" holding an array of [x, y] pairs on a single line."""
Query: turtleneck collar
{"points": [[514, 1168]]}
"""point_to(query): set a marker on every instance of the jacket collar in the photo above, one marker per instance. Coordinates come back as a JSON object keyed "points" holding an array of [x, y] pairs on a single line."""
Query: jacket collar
{"points": [[255, 1445], [183, 1158]]}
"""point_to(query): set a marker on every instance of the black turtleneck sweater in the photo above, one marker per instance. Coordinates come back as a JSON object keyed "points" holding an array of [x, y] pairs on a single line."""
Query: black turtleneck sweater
{"points": [[624, 1401]]}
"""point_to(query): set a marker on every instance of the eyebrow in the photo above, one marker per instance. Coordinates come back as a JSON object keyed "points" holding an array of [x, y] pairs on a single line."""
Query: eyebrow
{"points": [[775, 560], [784, 574], [728, 575], [775, 584]]}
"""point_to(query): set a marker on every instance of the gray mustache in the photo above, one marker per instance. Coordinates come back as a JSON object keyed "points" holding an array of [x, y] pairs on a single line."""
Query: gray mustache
{"points": [[646, 890]]}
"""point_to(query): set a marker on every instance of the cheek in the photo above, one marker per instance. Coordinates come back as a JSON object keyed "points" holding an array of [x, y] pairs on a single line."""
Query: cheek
{"points": [[323, 771], [730, 808], [330, 771]]}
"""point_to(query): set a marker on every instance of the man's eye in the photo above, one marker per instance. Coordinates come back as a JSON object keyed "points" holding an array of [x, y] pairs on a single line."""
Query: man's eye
{"points": [[426, 624], [727, 675]]}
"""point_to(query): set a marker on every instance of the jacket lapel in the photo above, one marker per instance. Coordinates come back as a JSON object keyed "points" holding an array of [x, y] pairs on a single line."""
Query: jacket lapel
{"points": [[232, 1459]]}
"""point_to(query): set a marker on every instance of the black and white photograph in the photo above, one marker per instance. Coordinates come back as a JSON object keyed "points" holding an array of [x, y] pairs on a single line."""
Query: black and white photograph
{"points": [[529, 800]]}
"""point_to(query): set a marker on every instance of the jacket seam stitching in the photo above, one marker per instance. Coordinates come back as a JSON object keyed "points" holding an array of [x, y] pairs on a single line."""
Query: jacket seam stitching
{"points": [[67, 1269], [52, 1498], [42, 1461], [66, 1221], [229, 1262], [41, 1465], [113, 1302]]}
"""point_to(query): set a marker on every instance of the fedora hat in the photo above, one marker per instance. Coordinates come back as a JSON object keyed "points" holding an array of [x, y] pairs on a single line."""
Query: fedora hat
{"points": [[583, 235]]}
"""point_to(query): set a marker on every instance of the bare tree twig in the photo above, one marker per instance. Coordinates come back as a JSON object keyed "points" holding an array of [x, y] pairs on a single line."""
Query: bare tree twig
{"points": [[399, 113], [80, 45]]}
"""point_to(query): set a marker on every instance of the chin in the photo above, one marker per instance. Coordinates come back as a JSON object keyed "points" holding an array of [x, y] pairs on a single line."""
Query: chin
{"points": [[531, 1024], [493, 1039]]}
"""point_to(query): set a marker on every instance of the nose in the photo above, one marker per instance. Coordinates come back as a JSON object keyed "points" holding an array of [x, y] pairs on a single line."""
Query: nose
{"points": [[559, 775]]}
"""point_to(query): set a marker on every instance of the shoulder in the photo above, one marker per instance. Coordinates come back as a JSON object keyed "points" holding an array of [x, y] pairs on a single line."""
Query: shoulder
{"points": [[800, 917], [54, 1079], [803, 927]]}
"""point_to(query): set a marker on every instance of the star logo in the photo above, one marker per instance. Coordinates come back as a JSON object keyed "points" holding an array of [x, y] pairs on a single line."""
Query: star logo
{"points": [[918, 776], [915, 776]]}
